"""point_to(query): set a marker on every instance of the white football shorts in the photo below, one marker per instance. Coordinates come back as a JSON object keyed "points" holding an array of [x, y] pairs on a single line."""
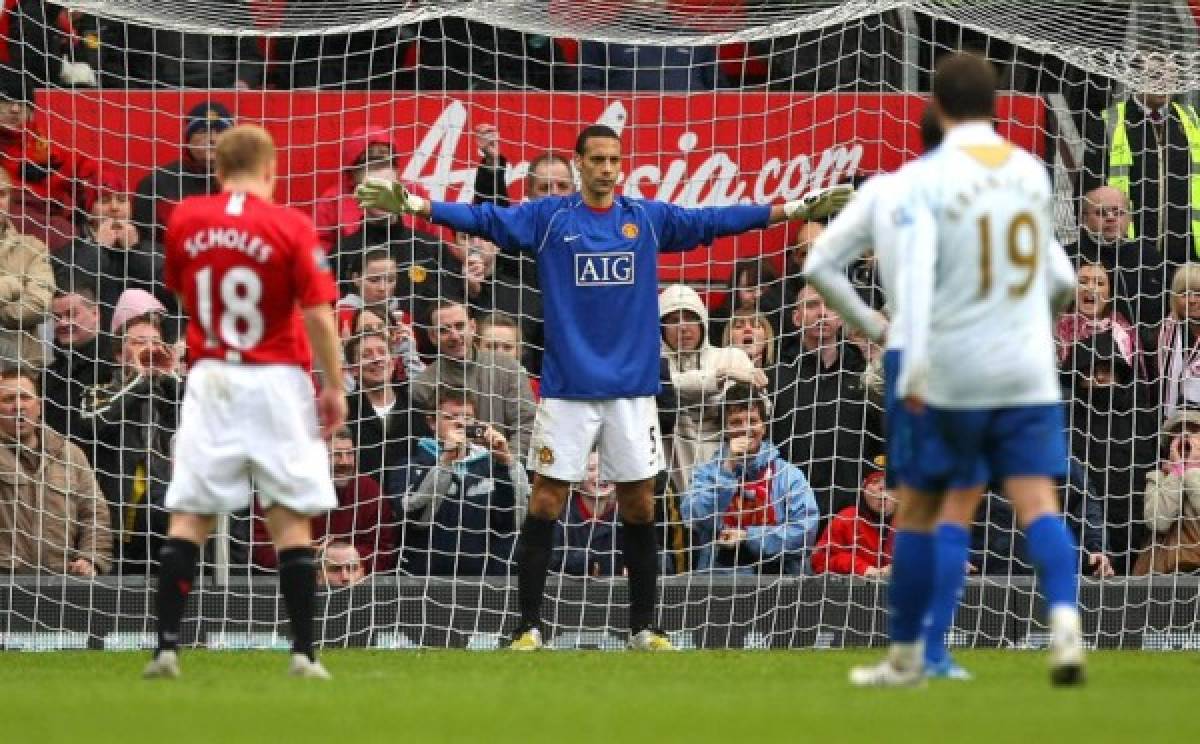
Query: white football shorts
{"points": [[624, 430], [249, 423]]}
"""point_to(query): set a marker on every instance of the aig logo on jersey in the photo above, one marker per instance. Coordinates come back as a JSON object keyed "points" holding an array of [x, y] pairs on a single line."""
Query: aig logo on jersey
{"points": [[603, 269]]}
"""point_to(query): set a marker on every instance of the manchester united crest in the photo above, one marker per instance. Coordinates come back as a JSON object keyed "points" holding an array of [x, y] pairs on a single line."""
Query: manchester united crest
{"points": [[546, 456], [629, 230], [417, 274]]}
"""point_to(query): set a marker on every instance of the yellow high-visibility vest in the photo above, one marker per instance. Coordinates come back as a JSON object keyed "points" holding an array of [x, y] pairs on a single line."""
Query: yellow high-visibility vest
{"points": [[1120, 159]]}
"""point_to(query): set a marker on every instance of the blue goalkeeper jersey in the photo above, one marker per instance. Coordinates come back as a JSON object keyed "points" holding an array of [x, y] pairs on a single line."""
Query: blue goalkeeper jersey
{"points": [[598, 271]]}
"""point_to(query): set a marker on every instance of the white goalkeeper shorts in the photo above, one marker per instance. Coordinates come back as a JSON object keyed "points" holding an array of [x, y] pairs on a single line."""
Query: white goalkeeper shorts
{"points": [[624, 430], [249, 424]]}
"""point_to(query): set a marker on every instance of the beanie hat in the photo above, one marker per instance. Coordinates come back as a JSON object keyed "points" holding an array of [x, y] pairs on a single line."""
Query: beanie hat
{"points": [[211, 116], [134, 303]]}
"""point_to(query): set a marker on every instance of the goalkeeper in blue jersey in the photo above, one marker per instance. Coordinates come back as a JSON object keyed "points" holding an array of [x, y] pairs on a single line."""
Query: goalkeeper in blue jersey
{"points": [[597, 259]]}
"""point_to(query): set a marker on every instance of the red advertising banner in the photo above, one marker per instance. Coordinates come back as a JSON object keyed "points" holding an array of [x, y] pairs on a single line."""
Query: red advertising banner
{"points": [[698, 150]]}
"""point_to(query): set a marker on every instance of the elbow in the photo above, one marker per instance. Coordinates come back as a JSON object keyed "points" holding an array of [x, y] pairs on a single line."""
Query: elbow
{"points": [[799, 539], [687, 510], [816, 274], [695, 511], [318, 318], [809, 538], [1160, 525]]}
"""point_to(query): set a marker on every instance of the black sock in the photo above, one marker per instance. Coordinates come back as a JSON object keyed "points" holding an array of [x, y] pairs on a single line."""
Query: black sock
{"points": [[176, 572], [641, 561], [298, 584], [533, 560]]}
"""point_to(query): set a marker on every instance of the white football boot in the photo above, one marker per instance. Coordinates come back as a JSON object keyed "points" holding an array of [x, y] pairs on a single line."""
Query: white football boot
{"points": [[1066, 647], [164, 665], [306, 668], [903, 667]]}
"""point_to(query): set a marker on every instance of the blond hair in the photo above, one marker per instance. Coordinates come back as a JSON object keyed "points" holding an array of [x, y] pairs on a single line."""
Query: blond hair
{"points": [[759, 321], [244, 150], [1186, 278]]}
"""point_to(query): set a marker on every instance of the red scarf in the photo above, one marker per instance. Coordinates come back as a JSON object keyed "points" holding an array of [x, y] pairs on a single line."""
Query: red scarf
{"points": [[752, 506]]}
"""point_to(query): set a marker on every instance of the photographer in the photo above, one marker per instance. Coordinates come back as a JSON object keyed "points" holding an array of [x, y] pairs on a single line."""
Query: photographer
{"points": [[749, 509], [463, 495], [127, 425], [1172, 501]]}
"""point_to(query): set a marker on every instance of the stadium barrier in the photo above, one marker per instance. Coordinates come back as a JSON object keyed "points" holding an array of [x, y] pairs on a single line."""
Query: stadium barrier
{"points": [[54, 613]]}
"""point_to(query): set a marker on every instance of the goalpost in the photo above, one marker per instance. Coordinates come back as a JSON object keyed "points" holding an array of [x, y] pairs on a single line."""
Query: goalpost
{"points": [[717, 103]]}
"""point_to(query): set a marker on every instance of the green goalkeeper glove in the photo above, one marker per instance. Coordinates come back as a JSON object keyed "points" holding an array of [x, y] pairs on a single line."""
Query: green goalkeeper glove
{"points": [[389, 196], [819, 203]]}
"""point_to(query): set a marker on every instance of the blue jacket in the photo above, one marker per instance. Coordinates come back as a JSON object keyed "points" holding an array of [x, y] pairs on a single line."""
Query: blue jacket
{"points": [[460, 520], [714, 488]]}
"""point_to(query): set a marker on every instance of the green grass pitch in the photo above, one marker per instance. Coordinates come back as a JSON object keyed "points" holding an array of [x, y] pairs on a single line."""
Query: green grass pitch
{"points": [[756, 697]]}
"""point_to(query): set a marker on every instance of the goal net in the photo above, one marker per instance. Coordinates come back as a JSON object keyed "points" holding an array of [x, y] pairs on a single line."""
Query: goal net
{"points": [[109, 112]]}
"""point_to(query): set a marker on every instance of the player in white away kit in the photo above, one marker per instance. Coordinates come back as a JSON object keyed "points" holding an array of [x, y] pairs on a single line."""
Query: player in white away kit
{"points": [[867, 225], [981, 278], [257, 290]]}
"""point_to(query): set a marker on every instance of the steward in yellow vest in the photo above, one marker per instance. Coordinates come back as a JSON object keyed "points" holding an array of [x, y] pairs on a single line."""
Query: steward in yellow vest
{"points": [[1152, 154]]}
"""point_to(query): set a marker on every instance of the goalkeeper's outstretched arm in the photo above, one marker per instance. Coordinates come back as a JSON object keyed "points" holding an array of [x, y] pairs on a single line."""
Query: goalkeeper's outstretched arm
{"points": [[814, 205], [394, 197], [390, 196], [510, 228]]}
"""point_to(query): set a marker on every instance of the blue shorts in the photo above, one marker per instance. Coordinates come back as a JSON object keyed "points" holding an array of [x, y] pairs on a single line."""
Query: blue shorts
{"points": [[942, 448]]}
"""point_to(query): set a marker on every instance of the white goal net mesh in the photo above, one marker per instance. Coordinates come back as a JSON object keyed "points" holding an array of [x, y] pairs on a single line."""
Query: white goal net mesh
{"points": [[108, 112]]}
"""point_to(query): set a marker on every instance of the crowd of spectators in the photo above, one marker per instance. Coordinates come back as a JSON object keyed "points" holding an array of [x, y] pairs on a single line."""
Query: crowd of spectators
{"points": [[59, 46], [770, 408]]}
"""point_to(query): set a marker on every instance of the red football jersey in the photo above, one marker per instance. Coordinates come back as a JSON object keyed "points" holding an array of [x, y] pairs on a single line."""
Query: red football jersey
{"points": [[244, 268]]}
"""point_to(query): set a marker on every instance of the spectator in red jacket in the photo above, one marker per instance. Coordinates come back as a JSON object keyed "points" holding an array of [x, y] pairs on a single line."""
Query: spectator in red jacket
{"points": [[338, 213], [363, 517], [859, 538], [44, 176]]}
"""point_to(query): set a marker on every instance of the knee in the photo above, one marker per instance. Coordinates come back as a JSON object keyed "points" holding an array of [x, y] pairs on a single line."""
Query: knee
{"points": [[639, 513], [960, 507], [548, 497], [636, 502], [917, 513], [195, 528], [1031, 497]]}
